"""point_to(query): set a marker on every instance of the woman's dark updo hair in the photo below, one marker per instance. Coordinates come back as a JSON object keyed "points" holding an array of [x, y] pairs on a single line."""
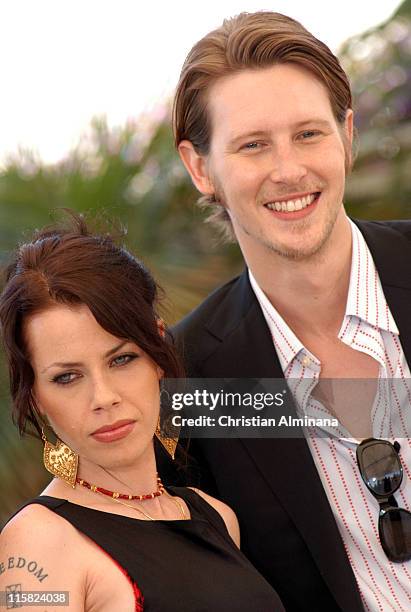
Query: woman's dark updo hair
{"points": [[71, 265]]}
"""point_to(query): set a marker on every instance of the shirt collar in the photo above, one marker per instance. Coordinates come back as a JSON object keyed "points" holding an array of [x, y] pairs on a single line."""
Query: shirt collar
{"points": [[285, 340], [366, 299]]}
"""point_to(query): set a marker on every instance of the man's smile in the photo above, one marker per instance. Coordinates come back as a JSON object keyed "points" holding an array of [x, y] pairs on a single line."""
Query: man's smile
{"points": [[294, 209], [289, 204]]}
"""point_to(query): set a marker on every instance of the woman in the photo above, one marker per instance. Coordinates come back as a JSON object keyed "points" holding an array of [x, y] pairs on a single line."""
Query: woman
{"points": [[86, 353]]}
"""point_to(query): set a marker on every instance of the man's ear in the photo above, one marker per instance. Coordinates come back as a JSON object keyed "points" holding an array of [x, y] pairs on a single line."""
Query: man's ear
{"points": [[196, 166], [349, 125], [349, 140]]}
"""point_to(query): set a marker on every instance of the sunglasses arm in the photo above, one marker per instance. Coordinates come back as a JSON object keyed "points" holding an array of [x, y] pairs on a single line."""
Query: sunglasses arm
{"points": [[386, 503]]}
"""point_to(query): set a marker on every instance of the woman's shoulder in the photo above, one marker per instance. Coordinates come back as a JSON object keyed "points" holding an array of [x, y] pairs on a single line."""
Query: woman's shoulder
{"points": [[58, 557], [39, 548], [36, 527], [33, 518], [227, 514]]}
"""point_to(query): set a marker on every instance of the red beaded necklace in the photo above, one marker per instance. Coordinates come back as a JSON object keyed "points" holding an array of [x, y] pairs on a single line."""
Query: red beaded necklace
{"points": [[115, 495]]}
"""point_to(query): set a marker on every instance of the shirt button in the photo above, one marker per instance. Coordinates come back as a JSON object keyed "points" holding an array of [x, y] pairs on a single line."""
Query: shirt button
{"points": [[306, 360]]}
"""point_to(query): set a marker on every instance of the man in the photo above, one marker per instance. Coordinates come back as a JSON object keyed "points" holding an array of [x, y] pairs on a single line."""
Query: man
{"points": [[263, 123]]}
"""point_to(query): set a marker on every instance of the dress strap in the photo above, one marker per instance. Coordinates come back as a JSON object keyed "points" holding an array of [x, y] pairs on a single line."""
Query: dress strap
{"points": [[202, 509]]}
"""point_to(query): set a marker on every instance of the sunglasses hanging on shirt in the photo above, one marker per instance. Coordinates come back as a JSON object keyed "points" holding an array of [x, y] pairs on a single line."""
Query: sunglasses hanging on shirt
{"points": [[381, 470]]}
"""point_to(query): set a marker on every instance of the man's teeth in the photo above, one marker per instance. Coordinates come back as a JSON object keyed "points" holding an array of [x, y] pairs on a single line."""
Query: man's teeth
{"points": [[292, 205]]}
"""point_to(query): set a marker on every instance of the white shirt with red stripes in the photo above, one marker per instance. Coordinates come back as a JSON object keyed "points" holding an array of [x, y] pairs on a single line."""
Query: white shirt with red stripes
{"points": [[368, 326]]}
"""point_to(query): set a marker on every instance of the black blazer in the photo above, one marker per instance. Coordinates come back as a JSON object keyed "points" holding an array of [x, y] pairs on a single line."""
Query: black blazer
{"points": [[288, 529]]}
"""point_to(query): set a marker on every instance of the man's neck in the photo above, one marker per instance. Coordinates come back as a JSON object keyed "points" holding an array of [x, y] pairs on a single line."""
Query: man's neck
{"points": [[312, 293]]}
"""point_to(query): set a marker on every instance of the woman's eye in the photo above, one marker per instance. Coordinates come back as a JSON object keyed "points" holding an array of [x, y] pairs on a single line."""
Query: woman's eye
{"points": [[65, 379], [69, 377], [123, 359]]}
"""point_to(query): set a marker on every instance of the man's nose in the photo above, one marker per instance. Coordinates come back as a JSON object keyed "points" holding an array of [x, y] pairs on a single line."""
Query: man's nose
{"points": [[104, 393], [288, 165]]}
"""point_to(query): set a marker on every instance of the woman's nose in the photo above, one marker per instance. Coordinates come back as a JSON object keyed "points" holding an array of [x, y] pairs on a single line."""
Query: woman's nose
{"points": [[104, 394]]}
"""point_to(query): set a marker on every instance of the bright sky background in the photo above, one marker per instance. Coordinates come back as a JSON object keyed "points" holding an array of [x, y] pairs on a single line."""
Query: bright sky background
{"points": [[65, 61]]}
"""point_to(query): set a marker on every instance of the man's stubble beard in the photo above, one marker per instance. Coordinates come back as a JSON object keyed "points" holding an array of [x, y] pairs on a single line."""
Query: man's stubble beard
{"points": [[305, 253], [293, 254]]}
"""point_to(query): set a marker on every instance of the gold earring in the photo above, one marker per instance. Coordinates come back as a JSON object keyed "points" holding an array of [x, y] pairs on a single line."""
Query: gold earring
{"points": [[60, 460], [170, 444]]}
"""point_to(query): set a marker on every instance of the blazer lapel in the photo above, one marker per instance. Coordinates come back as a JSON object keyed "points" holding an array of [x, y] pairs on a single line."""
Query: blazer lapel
{"points": [[247, 351]]}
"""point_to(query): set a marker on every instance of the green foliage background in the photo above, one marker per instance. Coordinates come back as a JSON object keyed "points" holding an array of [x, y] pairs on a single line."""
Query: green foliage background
{"points": [[133, 175]]}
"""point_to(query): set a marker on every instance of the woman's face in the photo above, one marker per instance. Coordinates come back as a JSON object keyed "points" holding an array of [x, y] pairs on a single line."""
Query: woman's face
{"points": [[100, 393]]}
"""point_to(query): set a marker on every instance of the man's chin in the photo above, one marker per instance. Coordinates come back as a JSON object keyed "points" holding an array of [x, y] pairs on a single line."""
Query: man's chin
{"points": [[299, 250], [307, 244], [294, 254]]}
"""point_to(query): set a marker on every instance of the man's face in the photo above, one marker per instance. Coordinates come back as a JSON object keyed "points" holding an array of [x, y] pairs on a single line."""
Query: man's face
{"points": [[277, 159]]}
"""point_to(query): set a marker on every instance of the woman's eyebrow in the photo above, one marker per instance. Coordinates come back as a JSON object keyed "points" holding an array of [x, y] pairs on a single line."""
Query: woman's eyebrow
{"points": [[76, 364]]}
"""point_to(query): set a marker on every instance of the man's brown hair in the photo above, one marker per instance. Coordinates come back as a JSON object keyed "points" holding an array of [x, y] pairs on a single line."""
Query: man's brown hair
{"points": [[249, 41]]}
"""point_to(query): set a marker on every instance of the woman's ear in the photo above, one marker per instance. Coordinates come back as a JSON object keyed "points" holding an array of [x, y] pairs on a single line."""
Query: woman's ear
{"points": [[36, 407], [161, 326]]}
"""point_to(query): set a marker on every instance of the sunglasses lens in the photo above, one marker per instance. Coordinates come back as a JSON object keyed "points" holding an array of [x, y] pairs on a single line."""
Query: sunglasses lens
{"points": [[381, 468], [395, 534]]}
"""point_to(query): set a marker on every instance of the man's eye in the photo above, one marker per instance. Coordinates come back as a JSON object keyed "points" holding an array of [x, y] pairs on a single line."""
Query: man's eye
{"points": [[65, 379], [251, 146], [123, 359], [309, 134]]}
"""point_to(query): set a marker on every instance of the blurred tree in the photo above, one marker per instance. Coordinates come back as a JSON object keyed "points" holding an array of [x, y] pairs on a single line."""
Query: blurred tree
{"points": [[132, 174], [379, 65]]}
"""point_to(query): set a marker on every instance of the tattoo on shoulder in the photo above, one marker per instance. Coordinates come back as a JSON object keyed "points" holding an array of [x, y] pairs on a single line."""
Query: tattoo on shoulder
{"points": [[25, 565]]}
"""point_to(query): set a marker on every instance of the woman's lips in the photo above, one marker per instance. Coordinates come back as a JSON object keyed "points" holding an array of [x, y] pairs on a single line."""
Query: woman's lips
{"points": [[116, 432]]}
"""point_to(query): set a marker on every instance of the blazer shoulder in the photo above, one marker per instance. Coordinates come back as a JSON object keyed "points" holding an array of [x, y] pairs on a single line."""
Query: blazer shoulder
{"points": [[402, 226], [192, 336], [204, 311]]}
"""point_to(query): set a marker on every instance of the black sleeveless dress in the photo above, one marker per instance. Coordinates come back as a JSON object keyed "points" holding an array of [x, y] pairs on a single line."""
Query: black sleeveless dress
{"points": [[175, 566]]}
